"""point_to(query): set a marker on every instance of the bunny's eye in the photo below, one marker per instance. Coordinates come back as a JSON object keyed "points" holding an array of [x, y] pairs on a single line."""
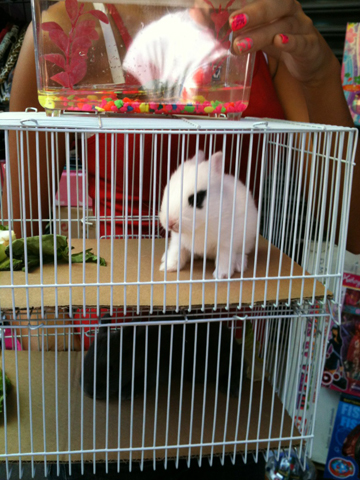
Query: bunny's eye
{"points": [[200, 197]]}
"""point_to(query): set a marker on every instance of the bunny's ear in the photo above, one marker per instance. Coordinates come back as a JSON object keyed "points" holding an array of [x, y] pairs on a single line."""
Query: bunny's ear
{"points": [[216, 162], [200, 155]]}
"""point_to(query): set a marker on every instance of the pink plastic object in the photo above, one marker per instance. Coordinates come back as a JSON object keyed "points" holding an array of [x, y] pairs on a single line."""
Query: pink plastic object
{"points": [[9, 340], [76, 190]]}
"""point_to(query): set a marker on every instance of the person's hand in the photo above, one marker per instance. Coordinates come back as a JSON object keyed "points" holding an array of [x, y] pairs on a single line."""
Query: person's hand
{"points": [[282, 30]]}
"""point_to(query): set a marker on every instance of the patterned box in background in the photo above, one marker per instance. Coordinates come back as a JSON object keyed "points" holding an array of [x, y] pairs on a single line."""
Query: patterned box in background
{"points": [[342, 363], [351, 70], [344, 451]]}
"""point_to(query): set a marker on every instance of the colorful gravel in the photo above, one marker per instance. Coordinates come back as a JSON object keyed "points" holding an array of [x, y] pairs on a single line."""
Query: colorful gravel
{"points": [[111, 103]]}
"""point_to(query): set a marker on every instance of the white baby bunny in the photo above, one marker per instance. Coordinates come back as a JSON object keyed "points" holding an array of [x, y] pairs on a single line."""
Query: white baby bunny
{"points": [[207, 199]]}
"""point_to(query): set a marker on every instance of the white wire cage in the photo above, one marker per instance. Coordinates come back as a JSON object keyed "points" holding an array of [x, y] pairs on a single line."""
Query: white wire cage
{"points": [[185, 398], [50, 419]]}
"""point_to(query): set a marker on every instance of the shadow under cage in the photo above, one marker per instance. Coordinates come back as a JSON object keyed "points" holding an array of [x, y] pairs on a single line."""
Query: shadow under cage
{"points": [[211, 251]]}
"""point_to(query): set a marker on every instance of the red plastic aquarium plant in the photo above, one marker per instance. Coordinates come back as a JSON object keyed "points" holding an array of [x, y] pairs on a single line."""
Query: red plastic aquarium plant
{"points": [[75, 45]]}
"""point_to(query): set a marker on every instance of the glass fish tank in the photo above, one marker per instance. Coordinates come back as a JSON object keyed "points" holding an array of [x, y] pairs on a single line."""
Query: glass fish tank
{"points": [[140, 57]]}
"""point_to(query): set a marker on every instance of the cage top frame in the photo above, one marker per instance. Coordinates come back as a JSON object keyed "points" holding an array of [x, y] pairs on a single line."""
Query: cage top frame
{"points": [[68, 122]]}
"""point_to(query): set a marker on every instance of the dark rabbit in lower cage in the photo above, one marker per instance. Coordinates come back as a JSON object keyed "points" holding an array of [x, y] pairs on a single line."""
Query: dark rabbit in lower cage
{"points": [[167, 348]]}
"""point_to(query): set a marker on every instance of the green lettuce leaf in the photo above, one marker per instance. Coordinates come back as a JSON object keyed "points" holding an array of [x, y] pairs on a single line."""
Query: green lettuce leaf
{"points": [[89, 257], [5, 265], [47, 243]]}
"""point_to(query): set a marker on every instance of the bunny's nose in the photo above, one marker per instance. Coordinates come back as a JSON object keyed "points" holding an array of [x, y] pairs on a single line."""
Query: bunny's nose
{"points": [[173, 225]]}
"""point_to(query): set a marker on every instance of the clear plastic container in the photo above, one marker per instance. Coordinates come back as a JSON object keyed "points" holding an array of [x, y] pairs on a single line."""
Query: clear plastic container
{"points": [[140, 56]]}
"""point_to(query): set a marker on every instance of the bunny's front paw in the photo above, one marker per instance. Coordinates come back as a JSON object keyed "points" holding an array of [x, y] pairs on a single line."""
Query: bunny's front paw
{"points": [[222, 273], [171, 266], [238, 263], [173, 260], [222, 267]]}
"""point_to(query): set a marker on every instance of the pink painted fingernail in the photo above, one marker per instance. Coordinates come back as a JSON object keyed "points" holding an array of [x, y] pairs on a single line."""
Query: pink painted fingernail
{"points": [[284, 38], [245, 45], [239, 21]]}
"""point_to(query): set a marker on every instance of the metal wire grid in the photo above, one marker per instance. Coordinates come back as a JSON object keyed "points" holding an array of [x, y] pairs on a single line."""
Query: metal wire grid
{"points": [[291, 348], [288, 338], [302, 181], [30, 333]]}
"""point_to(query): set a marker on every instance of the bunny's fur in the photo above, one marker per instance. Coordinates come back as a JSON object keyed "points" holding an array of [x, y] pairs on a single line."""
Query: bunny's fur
{"points": [[181, 191]]}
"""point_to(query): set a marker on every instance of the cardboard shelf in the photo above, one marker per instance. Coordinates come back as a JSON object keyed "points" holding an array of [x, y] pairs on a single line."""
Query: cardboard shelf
{"points": [[278, 280], [266, 420]]}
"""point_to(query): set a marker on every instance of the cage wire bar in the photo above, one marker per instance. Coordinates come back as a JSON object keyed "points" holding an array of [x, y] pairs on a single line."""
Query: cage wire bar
{"points": [[268, 324]]}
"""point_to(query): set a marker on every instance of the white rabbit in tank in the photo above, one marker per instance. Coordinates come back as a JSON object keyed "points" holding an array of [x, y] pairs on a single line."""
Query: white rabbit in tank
{"points": [[207, 198]]}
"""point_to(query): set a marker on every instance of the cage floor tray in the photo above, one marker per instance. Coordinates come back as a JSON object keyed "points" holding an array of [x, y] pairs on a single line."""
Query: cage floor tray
{"points": [[271, 277], [66, 422]]}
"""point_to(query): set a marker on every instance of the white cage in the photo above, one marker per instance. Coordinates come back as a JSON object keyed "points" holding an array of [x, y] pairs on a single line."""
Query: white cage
{"points": [[193, 387]]}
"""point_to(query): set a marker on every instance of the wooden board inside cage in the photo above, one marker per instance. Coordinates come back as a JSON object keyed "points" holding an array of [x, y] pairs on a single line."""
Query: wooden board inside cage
{"points": [[271, 277], [61, 421]]}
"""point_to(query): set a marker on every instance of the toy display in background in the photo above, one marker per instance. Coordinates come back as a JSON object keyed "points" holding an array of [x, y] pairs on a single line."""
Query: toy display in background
{"points": [[344, 451], [289, 468], [351, 70], [342, 364]]}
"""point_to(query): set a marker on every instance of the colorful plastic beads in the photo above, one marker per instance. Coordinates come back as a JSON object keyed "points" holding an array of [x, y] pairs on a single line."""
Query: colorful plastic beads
{"points": [[110, 103], [144, 107]]}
